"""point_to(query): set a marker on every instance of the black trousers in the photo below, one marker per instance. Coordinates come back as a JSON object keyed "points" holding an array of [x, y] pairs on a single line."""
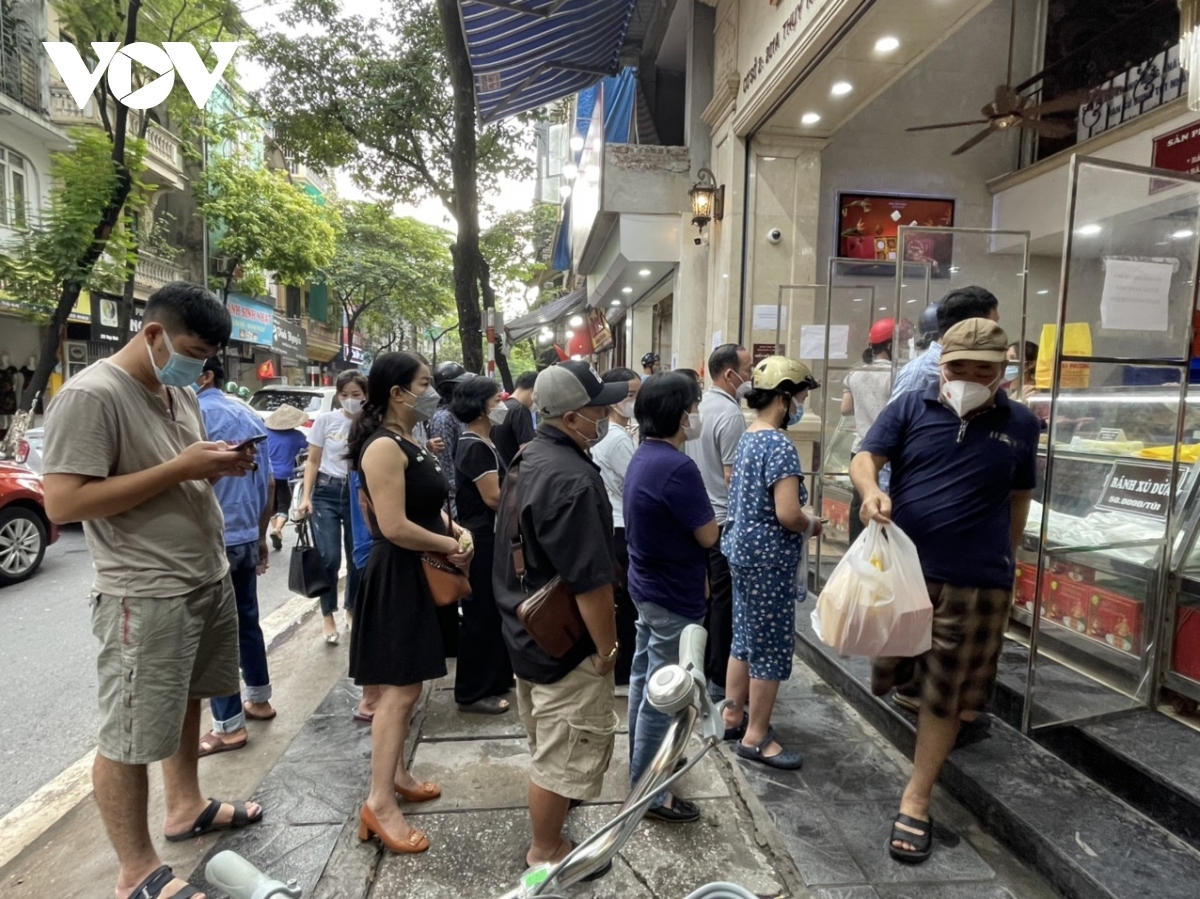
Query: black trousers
{"points": [[483, 668], [626, 610], [719, 621]]}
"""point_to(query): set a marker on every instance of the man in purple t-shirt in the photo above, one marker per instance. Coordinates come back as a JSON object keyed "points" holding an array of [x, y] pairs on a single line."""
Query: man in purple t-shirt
{"points": [[669, 526]]}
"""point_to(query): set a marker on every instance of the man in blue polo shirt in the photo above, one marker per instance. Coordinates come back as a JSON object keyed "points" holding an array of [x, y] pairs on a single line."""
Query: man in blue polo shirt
{"points": [[963, 470], [957, 306], [246, 507]]}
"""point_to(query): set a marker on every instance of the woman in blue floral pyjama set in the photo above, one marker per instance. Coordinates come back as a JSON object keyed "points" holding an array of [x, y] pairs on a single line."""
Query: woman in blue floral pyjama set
{"points": [[764, 540]]}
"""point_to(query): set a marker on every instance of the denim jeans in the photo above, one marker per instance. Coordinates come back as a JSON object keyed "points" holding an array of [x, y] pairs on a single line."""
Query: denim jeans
{"points": [[332, 533], [227, 712], [658, 631]]}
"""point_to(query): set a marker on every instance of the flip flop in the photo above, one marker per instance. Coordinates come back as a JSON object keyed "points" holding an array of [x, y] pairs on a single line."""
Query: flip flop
{"points": [[152, 886], [492, 705], [204, 824], [595, 875], [362, 718], [253, 717], [783, 760], [277, 541], [216, 745], [922, 839]]}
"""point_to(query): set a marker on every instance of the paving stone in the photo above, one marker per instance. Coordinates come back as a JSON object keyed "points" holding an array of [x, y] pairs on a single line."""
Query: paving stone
{"points": [[944, 891], [331, 738], [282, 851], [846, 772], [817, 848], [341, 701], [803, 723], [299, 791], [443, 720], [845, 893]]}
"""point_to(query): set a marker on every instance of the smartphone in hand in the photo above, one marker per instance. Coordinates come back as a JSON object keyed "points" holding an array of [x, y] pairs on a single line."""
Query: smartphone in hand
{"points": [[247, 444]]}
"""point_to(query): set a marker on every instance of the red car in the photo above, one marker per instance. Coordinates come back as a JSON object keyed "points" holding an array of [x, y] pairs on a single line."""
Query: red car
{"points": [[25, 531]]}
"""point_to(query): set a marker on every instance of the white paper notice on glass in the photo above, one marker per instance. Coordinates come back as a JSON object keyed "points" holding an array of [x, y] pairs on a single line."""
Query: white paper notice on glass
{"points": [[1136, 296], [769, 318], [717, 339], [812, 341]]}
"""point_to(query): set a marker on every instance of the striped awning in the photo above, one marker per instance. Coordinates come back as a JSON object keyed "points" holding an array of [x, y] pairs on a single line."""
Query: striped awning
{"points": [[529, 324], [527, 53]]}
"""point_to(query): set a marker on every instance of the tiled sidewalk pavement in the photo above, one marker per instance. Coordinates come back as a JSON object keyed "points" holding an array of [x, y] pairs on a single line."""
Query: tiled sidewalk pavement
{"points": [[835, 814]]}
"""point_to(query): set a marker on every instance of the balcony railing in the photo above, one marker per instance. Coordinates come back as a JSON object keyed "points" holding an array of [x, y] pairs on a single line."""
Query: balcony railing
{"points": [[161, 145], [154, 272], [21, 78]]}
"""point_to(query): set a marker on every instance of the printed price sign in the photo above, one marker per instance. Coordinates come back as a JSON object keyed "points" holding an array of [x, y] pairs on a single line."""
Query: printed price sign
{"points": [[1137, 488]]}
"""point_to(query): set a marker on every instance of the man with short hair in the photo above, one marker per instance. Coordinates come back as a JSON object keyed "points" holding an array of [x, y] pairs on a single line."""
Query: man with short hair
{"points": [[963, 460], [957, 306], [554, 503], [246, 506], [518, 427], [126, 453], [730, 369], [650, 365]]}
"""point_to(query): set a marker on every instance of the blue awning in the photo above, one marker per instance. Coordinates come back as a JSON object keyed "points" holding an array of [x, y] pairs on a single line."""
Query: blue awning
{"points": [[527, 53]]}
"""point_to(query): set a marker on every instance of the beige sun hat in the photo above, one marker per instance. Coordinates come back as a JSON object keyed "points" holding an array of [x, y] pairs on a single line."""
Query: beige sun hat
{"points": [[285, 418]]}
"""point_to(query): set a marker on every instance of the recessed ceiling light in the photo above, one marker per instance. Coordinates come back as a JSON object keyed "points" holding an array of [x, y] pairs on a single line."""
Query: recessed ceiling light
{"points": [[1089, 230], [810, 118], [887, 44], [570, 334], [626, 290], [1184, 233], [615, 303], [910, 301], [1042, 293], [576, 321], [858, 299], [841, 88], [883, 308], [576, 143], [645, 273]]}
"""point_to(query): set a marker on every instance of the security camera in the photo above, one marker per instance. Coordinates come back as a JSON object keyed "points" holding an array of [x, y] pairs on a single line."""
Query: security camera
{"points": [[698, 241], [774, 235]]}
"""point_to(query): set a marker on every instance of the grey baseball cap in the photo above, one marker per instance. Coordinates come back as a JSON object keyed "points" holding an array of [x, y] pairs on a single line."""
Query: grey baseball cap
{"points": [[570, 386]]}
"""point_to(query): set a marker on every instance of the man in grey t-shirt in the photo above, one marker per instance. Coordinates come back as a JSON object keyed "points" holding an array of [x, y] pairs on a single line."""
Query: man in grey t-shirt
{"points": [[729, 369]]}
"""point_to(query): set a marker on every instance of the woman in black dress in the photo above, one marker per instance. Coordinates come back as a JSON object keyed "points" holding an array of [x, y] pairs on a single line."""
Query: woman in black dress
{"points": [[396, 643], [484, 673]]}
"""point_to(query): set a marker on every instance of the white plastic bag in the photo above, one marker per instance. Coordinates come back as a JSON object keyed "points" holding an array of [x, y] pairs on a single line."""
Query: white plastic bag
{"points": [[875, 603]]}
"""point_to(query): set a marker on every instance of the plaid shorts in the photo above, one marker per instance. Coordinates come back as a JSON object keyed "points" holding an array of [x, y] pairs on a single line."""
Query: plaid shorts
{"points": [[957, 673]]}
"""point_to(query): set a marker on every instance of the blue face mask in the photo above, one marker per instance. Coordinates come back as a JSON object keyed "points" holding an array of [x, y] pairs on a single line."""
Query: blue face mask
{"points": [[794, 418], [180, 370], [1011, 373]]}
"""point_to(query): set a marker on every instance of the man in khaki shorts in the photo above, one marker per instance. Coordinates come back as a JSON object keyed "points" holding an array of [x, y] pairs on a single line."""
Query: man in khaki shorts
{"points": [[562, 514], [125, 453]]}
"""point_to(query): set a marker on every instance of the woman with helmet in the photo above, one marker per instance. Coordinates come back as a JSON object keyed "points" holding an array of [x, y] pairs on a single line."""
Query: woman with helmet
{"points": [[765, 535], [866, 391]]}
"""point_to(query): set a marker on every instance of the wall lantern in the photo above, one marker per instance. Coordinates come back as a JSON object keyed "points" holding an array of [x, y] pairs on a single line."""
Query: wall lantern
{"points": [[708, 200], [1189, 48]]}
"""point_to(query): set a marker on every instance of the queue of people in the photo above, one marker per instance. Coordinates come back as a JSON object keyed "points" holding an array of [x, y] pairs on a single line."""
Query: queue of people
{"points": [[653, 503]]}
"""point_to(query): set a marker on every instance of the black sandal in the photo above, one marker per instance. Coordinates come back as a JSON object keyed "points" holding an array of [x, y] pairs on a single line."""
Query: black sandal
{"points": [[680, 812], [491, 705], [204, 824], [922, 839], [152, 886], [784, 760], [736, 733]]}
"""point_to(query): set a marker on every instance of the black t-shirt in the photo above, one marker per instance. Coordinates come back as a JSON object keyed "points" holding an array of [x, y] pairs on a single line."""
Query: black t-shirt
{"points": [[566, 526], [473, 459], [516, 430]]}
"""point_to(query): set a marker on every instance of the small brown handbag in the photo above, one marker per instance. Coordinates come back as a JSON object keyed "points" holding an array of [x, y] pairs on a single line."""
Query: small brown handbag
{"points": [[446, 581]]}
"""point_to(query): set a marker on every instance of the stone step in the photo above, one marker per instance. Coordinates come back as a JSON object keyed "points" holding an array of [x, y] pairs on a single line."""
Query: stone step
{"points": [[1086, 841]]}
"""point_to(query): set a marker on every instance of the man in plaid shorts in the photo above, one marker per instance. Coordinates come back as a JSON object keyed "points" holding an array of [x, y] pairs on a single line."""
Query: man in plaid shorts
{"points": [[963, 471]]}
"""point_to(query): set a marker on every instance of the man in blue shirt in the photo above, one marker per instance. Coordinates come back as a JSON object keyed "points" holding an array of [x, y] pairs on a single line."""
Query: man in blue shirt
{"points": [[957, 306], [963, 462], [247, 509], [363, 541]]}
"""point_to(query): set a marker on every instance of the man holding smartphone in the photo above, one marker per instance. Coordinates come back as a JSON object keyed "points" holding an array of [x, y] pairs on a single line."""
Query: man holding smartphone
{"points": [[246, 506]]}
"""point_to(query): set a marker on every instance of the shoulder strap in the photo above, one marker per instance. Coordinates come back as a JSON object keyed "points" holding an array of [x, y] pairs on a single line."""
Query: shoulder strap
{"points": [[509, 517]]}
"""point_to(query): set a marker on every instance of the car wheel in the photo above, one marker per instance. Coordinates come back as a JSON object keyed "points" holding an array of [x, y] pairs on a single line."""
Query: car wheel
{"points": [[22, 544]]}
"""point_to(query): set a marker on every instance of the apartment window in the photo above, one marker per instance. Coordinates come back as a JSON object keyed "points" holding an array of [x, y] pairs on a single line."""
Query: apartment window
{"points": [[14, 194], [292, 305]]}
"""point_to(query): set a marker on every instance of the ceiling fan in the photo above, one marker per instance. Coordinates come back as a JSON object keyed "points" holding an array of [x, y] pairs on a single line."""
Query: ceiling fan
{"points": [[1012, 110]]}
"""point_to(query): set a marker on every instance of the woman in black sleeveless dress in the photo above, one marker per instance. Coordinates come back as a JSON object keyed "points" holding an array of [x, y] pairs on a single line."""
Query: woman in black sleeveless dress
{"points": [[396, 642]]}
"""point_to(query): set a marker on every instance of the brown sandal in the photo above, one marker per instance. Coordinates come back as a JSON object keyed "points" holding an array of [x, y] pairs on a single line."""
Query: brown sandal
{"points": [[212, 744]]}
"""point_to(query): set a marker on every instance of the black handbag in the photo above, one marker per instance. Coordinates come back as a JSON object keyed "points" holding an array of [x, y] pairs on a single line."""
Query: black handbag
{"points": [[308, 575]]}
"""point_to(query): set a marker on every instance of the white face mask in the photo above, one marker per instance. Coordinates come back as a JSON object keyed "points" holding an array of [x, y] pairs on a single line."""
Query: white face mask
{"points": [[352, 406], [692, 430], [964, 397], [624, 408], [498, 414], [743, 388]]}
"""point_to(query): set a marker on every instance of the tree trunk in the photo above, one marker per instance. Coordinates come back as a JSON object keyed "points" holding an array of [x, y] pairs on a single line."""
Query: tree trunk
{"points": [[489, 302], [125, 310], [465, 251], [100, 235]]}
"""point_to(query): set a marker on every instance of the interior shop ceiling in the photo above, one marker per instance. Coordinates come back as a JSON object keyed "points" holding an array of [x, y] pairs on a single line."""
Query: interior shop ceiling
{"points": [[892, 37]]}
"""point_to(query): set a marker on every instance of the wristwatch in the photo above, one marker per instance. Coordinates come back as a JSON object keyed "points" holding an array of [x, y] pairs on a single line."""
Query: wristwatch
{"points": [[611, 654]]}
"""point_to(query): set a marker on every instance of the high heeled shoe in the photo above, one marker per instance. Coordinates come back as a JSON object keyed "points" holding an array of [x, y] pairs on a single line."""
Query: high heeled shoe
{"points": [[368, 825], [424, 793]]}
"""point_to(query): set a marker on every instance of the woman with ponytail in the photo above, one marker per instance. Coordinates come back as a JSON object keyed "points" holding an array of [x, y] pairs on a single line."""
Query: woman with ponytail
{"points": [[396, 642]]}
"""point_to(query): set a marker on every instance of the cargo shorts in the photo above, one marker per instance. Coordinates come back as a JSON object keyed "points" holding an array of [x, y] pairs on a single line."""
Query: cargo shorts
{"points": [[571, 726], [155, 655]]}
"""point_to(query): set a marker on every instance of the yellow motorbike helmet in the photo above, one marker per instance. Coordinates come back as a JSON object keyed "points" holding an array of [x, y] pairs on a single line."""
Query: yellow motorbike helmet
{"points": [[782, 373]]}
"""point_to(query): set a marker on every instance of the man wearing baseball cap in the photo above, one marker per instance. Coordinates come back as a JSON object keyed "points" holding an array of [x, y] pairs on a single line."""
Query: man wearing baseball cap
{"points": [[963, 470], [561, 512]]}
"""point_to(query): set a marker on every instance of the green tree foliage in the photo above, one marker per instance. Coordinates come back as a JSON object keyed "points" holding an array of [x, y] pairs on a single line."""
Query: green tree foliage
{"points": [[75, 243], [390, 98], [391, 275], [517, 247], [267, 224]]}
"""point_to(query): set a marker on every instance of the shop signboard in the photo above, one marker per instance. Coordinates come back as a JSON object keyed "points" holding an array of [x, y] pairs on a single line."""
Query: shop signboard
{"points": [[253, 322], [1137, 488], [869, 226], [1178, 151], [290, 342], [81, 312], [106, 317], [599, 331], [761, 351]]}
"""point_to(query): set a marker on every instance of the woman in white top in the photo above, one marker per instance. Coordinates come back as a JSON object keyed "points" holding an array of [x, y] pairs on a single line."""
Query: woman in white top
{"points": [[326, 495], [612, 454], [866, 391]]}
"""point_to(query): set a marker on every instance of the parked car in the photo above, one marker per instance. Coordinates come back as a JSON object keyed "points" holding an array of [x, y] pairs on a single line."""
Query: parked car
{"points": [[313, 400], [29, 450], [25, 531]]}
